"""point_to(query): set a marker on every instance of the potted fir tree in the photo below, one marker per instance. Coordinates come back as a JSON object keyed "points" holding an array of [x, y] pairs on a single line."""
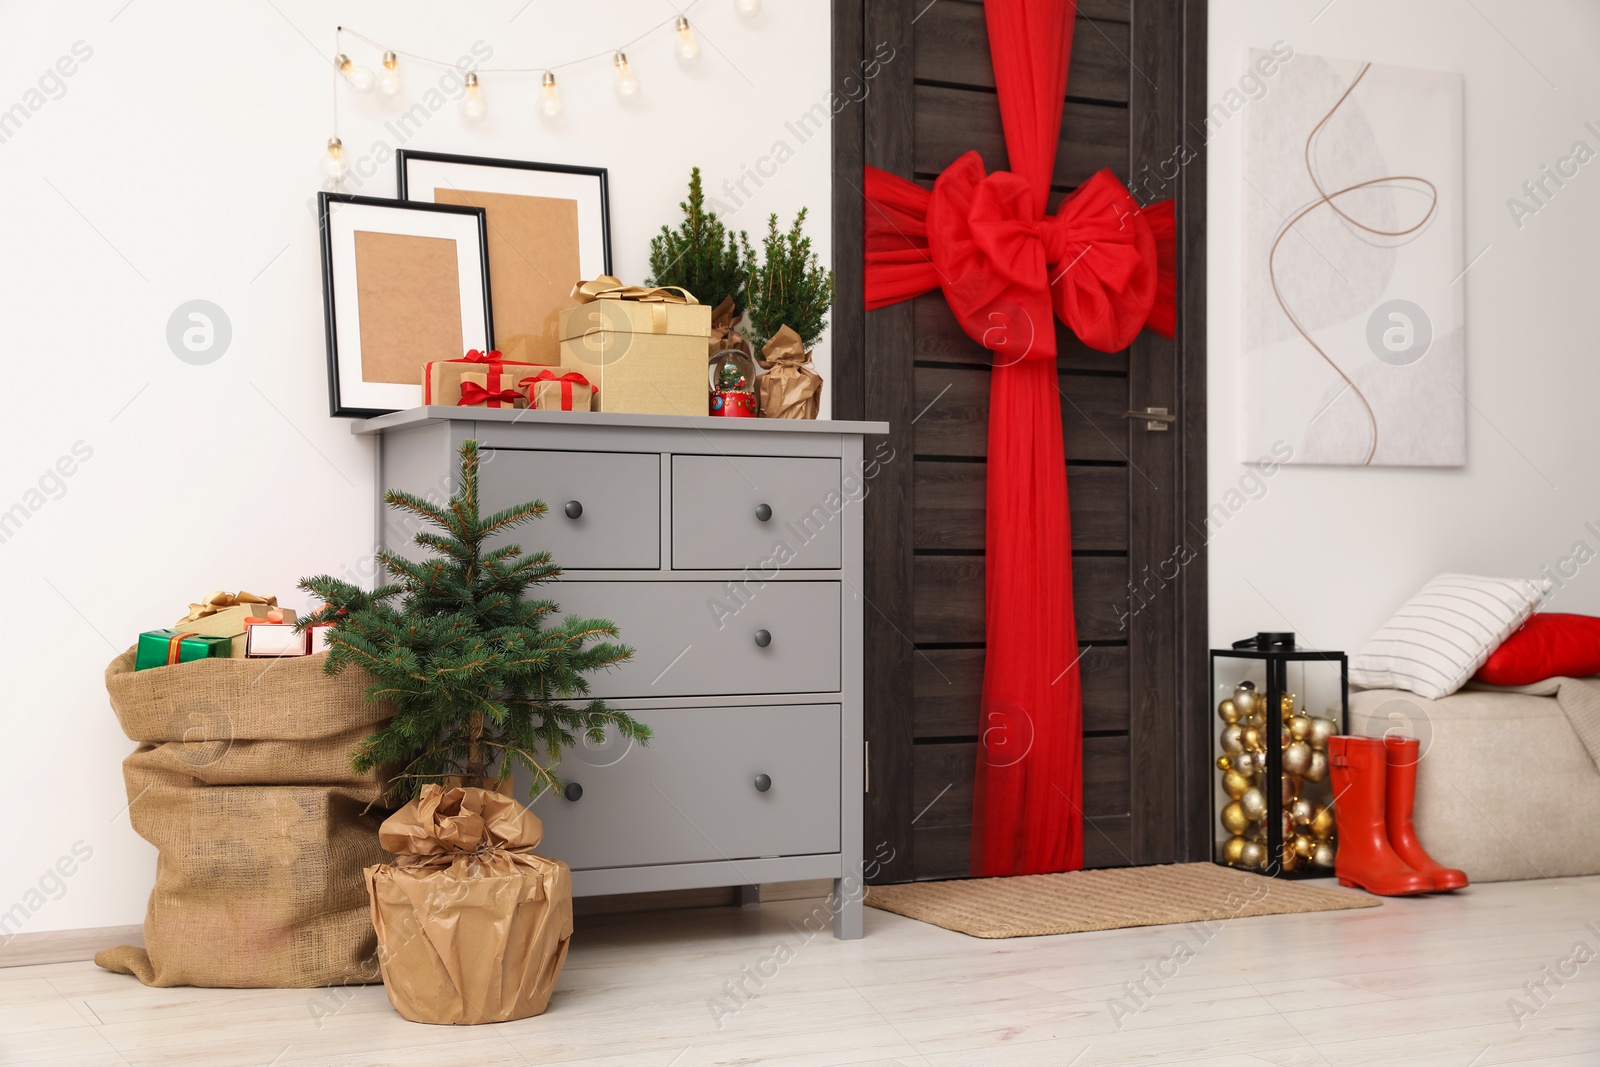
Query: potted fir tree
{"points": [[790, 294], [709, 260], [472, 926]]}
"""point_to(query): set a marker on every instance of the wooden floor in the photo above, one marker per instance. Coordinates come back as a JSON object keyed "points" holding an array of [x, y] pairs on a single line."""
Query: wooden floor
{"points": [[1427, 982]]}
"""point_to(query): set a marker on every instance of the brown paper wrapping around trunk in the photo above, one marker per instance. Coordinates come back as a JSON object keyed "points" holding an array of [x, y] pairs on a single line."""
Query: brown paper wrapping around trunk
{"points": [[242, 781], [790, 389], [472, 926], [723, 335]]}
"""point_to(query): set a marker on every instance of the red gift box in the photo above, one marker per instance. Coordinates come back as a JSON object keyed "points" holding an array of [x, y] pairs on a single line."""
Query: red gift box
{"points": [[575, 392]]}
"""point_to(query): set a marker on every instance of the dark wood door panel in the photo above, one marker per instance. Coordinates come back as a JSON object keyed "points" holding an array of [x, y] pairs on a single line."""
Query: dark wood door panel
{"points": [[951, 122], [939, 338], [954, 419], [952, 48], [949, 685], [949, 602], [948, 506]]}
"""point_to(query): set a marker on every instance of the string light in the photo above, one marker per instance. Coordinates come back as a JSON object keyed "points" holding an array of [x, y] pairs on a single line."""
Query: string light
{"points": [[688, 48], [472, 104], [360, 78], [627, 84], [334, 165], [747, 8], [549, 96], [389, 80]]}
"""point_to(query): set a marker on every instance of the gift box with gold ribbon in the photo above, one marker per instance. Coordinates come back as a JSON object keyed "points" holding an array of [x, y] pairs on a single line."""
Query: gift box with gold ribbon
{"points": [[224, 614], [564, 392], [643, 350], [444, 381]]}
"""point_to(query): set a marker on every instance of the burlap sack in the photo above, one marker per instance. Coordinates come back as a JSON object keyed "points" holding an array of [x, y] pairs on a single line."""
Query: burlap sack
{"points": [[242, 780]]}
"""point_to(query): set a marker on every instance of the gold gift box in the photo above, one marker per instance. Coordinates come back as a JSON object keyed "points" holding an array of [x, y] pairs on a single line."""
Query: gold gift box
{"points": [[643, 357]]}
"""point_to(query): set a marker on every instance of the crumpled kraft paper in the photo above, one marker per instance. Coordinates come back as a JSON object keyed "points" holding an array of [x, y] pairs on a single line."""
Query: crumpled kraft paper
{"points": [[790, 389], [472, 926]]}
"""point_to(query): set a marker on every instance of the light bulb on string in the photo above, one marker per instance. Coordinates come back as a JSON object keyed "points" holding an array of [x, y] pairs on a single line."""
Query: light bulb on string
{"points": [[389, 80], [627, 84], [688, 48], [360, 78], [334, 166], [549, 96], [747, 8], [472, 105]]}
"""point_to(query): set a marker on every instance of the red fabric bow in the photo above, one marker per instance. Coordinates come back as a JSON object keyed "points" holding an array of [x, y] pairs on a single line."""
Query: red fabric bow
{"points": [[473, 394], [567, 381], [1101, 262], [475, 356]]}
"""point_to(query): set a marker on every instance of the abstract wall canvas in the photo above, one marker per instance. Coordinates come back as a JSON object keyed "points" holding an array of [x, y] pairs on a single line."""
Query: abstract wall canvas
{"points": [[1354, 332]]}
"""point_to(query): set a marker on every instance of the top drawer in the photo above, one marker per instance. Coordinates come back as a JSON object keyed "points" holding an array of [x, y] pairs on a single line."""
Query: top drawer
{"points": [[733, 512], [605, 507]]}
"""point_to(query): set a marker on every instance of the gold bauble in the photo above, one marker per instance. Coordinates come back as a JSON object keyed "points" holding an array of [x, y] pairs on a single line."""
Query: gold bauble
{"points": [[1232, 742], [1319, 767], [1254, 854], [1234, 784], [1223, 763], [1321, 730], [1286, 704], [1299, 727], [1248, 763], [1301, 810], [1234, 820], [1233, 850], [1322, 822], [1290, 860], [1304, 846], [1250, 737], [1253, 803], [1245, 698], [1322, 855], [1229, 711], [1297, 759], [1291, 788], [1255, 718]]}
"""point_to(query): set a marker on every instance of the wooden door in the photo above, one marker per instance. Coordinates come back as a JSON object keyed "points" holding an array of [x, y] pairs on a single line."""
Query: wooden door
{"points": [[1136, 494]]}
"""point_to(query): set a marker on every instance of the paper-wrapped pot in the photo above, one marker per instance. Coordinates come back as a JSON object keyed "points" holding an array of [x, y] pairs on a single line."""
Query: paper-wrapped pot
{"points": [[472, 926]]}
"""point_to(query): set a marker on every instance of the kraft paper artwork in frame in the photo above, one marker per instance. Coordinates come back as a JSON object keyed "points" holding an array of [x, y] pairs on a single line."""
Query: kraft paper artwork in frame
{"points": [[403, 284]]}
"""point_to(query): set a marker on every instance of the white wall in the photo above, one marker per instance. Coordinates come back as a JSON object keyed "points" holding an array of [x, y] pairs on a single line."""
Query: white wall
{"points": [[176, 162], [1330, 552]]}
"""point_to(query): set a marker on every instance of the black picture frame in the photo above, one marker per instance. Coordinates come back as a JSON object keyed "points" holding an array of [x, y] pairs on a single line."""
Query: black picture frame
{"points": [[600, 174], [340, 406]]}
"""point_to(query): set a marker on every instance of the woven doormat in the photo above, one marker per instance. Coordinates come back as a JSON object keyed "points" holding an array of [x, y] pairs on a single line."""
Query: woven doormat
{"points": [[1078, 901]]}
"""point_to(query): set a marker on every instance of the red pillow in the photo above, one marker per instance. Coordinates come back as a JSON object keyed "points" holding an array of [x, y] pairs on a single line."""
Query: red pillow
{"points": [[1548, 646]]}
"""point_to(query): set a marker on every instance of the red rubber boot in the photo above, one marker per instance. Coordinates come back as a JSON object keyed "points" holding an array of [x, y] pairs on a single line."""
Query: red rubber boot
{"points": [[1365, 859], [1401, 791]]}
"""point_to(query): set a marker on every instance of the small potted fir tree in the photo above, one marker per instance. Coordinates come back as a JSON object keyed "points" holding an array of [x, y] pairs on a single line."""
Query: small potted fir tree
{"points": [[472, 926], [790, 294], [709, 260]]}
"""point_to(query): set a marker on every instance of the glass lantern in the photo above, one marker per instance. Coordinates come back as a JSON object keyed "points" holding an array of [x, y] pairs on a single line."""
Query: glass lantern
{"points": [[732, 375], [1275, 707]]}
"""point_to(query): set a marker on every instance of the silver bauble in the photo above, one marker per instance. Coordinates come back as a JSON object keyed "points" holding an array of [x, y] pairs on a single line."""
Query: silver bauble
{"points": [[1319, 767], [1297, 759]]}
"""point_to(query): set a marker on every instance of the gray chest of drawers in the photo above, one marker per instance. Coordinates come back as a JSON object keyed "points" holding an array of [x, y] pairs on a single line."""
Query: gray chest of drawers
{"points": [[729, 553]]}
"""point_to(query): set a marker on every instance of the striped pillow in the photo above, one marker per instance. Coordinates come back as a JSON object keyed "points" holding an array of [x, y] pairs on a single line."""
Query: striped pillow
{"points": [[1442, 635]]}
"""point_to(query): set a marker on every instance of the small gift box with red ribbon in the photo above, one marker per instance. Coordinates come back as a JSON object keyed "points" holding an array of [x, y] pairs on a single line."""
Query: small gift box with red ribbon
{"points": [[445, 381], [164, 648], [565, 392], [272, 637]]}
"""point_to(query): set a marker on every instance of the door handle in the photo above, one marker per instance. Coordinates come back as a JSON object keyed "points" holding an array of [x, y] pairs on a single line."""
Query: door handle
{"points": [[1154, 419]]}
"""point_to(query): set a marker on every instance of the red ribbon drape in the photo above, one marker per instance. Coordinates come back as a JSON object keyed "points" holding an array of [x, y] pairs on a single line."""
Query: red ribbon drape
{"points": [[1105, 267]]}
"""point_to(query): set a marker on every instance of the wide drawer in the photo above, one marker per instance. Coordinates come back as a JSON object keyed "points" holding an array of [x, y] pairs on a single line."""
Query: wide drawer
{"points": [[761, 512], [692, 794], [605, 507], [713, 638]]}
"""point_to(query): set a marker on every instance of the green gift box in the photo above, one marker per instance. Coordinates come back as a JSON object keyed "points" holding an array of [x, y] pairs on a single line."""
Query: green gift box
{"points": [[160, 648]]}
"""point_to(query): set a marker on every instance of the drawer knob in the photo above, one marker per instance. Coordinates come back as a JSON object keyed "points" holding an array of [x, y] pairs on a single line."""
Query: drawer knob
{"points": [[573, 509], [763, 782], [763, 638], [573, 791], [763, 512]]}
